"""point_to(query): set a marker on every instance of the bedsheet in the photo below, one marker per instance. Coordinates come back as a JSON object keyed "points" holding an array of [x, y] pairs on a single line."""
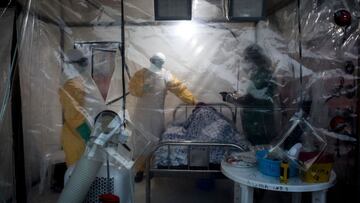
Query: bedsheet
{"points": [[205, 124]]}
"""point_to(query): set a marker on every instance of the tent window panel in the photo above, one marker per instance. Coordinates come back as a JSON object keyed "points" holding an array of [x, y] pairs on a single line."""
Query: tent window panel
{"points": [[173, 9], [246, 10]]}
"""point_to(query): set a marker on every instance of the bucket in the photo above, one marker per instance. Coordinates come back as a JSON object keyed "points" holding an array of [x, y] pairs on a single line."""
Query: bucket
{"points": [[272, 167]]}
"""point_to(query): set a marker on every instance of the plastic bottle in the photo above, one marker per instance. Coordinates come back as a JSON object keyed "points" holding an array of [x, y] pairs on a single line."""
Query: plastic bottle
{"points": [[284, 172]]}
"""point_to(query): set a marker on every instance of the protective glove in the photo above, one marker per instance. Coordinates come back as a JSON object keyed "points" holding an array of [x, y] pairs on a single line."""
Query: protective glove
{"points": [[200, 104]]}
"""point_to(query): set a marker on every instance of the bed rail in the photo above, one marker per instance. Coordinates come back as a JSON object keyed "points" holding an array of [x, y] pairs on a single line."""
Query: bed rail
{"points": [[188, 172], [188, 144], [220, 107], [183, 111]]}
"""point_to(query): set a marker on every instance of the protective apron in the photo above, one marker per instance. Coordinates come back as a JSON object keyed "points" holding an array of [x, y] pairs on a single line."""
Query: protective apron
{"points": [[82, 100], [149, 112]]}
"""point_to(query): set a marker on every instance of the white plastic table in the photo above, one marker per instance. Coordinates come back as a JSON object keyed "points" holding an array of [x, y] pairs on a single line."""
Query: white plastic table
{"points": [[246, 179]]}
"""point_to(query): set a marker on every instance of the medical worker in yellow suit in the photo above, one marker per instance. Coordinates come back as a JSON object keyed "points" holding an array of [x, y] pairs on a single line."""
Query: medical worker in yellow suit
{"points": [[150, 86], [76, 130]]}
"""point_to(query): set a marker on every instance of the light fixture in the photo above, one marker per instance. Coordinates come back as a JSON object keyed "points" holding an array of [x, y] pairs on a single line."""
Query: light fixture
{"points": [[185, 29], [246, 10], [173, 9]]}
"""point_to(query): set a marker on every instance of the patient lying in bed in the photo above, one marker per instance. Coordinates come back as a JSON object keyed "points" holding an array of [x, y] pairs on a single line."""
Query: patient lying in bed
{"points": [[205, 124]]}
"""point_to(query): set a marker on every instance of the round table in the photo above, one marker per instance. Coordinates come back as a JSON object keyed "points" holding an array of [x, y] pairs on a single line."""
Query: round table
{"points": [[246, 179]]}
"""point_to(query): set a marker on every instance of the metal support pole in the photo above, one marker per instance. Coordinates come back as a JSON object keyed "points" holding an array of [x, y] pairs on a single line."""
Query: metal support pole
{"points": [[148, 181], [123, 68], [18, 138], [357, 161]]}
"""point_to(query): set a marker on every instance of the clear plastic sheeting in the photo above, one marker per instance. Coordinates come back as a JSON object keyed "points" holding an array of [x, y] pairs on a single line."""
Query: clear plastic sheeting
{"points": [[78, 58], [298, 137], [328, 62], [7, 186]]}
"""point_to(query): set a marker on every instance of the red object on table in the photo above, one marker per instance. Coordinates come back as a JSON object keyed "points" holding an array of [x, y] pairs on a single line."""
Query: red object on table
{"points": [[109, 198], [323, 158], [337, 122], [342, 18]]}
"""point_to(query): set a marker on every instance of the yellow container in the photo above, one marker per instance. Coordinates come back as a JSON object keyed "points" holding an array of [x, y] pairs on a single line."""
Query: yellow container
{"points": [[319, 171]]}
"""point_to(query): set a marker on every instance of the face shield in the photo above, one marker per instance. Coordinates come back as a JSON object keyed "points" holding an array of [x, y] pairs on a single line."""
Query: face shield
{"points": [[158, 60], [255, 56]]}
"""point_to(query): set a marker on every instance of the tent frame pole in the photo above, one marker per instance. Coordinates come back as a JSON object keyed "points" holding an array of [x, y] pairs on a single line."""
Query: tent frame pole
{"points": [[16, 115]]}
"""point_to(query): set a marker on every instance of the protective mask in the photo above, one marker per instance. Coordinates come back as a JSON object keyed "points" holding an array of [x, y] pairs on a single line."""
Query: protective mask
{"points": [[70, 72], [154, 68]]}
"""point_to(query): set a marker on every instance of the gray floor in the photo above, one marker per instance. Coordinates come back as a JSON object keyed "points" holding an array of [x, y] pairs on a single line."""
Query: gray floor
{"points": [[166, 190], [176, 190], [180, 190]]}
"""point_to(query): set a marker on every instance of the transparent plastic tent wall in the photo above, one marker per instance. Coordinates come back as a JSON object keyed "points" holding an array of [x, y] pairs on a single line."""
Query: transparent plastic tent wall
{"points": [[207, 55], [6, 157]]}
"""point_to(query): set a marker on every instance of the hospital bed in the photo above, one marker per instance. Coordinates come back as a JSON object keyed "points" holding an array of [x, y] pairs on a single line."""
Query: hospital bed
{"points": [[199, 164]]}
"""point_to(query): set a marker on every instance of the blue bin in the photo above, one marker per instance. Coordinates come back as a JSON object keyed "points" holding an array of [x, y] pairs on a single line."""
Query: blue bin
{"points": [[272, 167]]}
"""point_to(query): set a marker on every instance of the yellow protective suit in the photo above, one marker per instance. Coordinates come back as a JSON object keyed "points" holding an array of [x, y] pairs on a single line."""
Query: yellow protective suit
{"points": [[143, 77], [75, 129], [151, 88]]}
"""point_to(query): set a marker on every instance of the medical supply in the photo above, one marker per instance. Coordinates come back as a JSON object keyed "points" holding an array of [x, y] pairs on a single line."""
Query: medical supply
{"points": [[284, 172], [294, 151], [320, 169], [271, 167]]}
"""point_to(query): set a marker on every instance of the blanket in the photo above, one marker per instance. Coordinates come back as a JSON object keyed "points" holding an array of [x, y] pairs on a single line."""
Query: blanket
{"points": [[205, 124]]}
